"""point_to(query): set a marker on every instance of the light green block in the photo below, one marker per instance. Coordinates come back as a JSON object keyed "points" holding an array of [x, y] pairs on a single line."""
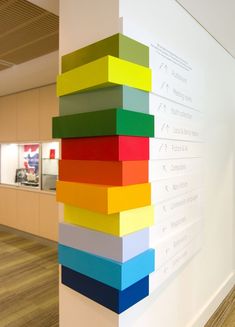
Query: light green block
{"points": [[117, 45]]}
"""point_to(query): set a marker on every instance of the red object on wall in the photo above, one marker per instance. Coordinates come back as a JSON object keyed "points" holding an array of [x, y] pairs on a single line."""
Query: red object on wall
{"points": [[108, 148], [52, 153], [31, 147]]}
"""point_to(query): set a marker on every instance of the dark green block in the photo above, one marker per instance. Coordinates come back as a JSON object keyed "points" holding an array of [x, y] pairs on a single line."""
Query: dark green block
{"points": [[106, 98], [103, 123], [116, 45]]}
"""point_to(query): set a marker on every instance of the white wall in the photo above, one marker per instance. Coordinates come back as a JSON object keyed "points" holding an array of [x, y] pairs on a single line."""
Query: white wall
{"points": [[190, 297], [85, 22], [9, 166]]}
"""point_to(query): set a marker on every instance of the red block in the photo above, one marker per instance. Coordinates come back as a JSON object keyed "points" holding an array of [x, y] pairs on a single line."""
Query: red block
{"points": [[108, 148]]}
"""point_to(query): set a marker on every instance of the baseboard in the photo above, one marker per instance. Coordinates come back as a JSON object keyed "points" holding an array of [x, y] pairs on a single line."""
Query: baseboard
{"points": [[213, 303], [39, 239]]}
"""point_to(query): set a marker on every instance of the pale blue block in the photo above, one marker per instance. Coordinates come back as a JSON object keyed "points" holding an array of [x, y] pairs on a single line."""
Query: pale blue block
{"points": [[108, 246]]}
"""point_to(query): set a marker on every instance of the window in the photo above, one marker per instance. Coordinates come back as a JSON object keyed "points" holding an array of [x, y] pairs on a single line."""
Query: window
{"points": [[50, 157], [30, 165]]}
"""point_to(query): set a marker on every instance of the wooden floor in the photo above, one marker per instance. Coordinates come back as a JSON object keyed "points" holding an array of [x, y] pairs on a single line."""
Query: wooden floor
{"points": [[28, 283], [29, 286], [225, 315]]}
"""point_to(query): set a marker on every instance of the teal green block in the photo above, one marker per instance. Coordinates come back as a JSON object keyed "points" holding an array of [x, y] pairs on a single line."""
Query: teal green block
{"points": [[110, 272], [117, 45], [103, 99], [103, 123]]}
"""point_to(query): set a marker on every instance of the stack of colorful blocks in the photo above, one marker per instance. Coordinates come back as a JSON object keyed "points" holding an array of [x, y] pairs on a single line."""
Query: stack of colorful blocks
{"points": [[103, 174]]}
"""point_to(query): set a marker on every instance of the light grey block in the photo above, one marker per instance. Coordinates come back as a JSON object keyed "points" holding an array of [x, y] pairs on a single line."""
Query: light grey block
{"points": [[103, 99], [116, 248]]}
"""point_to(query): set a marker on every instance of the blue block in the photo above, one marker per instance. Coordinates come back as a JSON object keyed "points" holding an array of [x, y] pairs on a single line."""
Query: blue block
{"points": [[107, 271], [109, 297]]}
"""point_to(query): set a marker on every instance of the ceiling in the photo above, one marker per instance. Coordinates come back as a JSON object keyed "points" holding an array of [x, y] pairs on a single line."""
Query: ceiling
{"points": [[26, 32], [50, 5], [217, 17], [36, 58], [41, 65]]}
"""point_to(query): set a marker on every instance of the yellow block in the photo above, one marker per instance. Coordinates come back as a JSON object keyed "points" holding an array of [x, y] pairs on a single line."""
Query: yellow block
{"points": [[104, 199], [106, 71], [118, 224]]}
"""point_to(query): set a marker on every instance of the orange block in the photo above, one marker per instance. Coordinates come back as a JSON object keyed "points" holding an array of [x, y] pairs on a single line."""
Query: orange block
{"points": [[104, 199], [104, 172]]}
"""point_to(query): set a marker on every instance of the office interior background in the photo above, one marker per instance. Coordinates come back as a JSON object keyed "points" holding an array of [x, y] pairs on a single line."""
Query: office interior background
{"points": [[190, 165]]}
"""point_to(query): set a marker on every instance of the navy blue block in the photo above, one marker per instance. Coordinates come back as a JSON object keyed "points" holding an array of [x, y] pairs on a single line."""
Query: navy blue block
{"points": [[109, 297]]}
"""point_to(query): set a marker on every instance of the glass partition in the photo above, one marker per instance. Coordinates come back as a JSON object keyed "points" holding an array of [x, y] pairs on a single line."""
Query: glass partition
{"points": [[30, 165], [20, 164], [28, 172], [9, 163], [50, 158]]}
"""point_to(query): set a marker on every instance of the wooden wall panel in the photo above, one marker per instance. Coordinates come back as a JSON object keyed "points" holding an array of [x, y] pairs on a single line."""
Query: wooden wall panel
{"points": [[28, 211], [48, 108], [28, 115], [2, 207], [8, 207], [32, 212], [8, 118], [48, 225]]}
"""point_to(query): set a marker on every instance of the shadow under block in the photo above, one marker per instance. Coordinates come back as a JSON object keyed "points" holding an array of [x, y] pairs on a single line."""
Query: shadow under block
{"points": [[119, 224], [104, 72], [111, 298], [101, 123], [110, 272], [116, 248], [106, 148], [104, 172], [103, 99], [117, 45], [104, 199]]}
